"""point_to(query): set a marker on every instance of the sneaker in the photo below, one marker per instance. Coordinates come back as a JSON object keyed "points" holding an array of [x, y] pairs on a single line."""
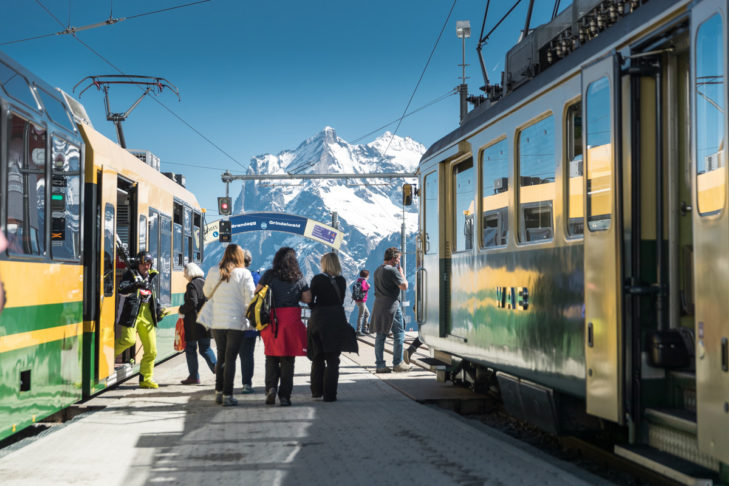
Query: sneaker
{"points": [[400, 367], [360, 333], [284, 402], [219, 397], [229, 401], [383, 370], [271, 396], [406, 355], [148, 384], [190, 381], [246, 389]]}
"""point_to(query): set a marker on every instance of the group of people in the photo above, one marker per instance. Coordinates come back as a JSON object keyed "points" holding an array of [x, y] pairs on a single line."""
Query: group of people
{"points": [[229, 288]]}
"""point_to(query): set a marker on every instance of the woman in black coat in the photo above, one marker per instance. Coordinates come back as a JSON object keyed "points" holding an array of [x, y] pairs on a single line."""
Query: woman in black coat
{"points": [[328, 332], [195, 334]]}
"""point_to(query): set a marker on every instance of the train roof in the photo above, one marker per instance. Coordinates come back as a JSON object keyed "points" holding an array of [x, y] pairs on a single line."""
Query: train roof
{"points": [[481, 114]]}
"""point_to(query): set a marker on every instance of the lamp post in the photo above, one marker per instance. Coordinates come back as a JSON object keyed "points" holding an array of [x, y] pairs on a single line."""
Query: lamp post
{"points": [[463, 31]]}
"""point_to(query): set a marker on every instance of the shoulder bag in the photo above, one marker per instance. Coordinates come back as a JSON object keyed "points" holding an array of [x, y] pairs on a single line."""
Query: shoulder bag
{"points": [[205, 314]]}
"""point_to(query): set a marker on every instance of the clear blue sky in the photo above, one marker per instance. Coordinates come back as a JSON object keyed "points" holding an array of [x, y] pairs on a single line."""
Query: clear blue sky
{"points": [[260, 77]]}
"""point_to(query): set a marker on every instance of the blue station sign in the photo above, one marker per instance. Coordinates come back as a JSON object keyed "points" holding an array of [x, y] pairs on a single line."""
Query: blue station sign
{"points": [[289, 223]]}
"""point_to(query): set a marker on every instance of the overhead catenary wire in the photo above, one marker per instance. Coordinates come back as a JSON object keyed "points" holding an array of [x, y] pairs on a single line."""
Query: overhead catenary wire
{"points": [[417, 85], [113, 66], [69, 30]]}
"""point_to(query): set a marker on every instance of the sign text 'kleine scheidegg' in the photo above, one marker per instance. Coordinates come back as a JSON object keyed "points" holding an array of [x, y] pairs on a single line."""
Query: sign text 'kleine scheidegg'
{"points": [[289, 223]]}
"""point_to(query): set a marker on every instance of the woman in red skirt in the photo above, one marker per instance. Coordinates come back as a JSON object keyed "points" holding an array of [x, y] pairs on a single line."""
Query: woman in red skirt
{"points": [[285, 338]]}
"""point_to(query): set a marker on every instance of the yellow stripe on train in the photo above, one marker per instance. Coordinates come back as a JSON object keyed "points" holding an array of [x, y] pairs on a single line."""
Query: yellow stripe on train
{"points": [[42, 336], [41, 283]]}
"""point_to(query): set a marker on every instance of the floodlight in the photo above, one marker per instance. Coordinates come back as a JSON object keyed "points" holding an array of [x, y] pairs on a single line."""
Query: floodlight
{"points": [[463, 28]]}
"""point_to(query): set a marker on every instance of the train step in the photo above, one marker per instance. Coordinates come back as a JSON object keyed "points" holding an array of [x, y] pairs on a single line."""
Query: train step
{"points": [[668, 465], [673, 431]]}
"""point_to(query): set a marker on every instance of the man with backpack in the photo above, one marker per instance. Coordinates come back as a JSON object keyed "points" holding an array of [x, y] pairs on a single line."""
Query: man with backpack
{"points": [[359, 296]]}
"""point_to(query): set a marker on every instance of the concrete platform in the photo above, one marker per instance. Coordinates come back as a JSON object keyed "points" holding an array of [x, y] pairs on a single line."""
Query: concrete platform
{"points": [[373, 434]]}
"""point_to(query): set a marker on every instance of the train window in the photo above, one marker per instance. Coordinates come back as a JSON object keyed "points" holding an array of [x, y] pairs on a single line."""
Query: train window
{"points": [[142, 232], [109, 241], [495, 195], [154, 235], [196, 237], [55, 109], [710, 113], [536, 169], [177, 235], [16, 86], [431, 214], [575, 172], [165, 260], [464, 187], [26, 187], [187, 238], [599, 153], [65, 200]]}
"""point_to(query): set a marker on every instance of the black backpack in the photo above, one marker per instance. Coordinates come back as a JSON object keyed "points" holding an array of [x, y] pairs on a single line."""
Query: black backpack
{"points": [[357, 292]]}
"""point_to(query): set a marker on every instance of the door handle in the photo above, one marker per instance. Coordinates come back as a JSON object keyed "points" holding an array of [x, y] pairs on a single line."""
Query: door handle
{"points": [[590, 336], [724, 354]]}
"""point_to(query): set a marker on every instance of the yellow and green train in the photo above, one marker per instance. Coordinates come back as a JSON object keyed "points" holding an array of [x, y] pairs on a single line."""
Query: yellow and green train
{"points": [[71, 201], [573, 246]]}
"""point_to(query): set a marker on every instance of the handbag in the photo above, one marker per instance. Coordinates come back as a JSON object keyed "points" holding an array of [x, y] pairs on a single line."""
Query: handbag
{"points": [[205, 314], [348, 336], [180, 342]]}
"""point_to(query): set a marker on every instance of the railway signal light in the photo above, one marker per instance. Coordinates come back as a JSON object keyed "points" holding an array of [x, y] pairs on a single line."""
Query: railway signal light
{"points": [[224, 206], [407, 194], [224, 232]]}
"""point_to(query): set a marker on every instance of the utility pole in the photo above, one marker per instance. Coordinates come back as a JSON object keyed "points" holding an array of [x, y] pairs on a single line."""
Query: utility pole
{"points": [[463, 31]]}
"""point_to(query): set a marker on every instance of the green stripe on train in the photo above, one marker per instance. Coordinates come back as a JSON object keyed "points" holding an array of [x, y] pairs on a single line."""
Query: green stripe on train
{"points": [[37, 381], [15, 320]]}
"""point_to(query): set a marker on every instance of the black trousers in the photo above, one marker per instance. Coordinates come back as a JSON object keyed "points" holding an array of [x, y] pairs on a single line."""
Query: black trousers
{"points": [[325, 376], [228, 343], [280, 369]]}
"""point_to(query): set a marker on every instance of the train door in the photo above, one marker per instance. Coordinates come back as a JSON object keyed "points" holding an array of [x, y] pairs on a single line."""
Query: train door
{"points": [[460, 195], [107, 189], [428, 260], [603, 233], [711, 225]]}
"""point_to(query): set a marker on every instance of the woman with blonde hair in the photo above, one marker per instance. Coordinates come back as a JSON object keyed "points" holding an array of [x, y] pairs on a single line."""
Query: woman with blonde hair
{"points": [[196, 336], [229, 287], [328, 333]]}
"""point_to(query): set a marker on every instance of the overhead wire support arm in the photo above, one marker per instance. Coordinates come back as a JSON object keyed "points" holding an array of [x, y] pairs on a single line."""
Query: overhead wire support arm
{"points": [[103, 82], [484, 38], [227, 177]]}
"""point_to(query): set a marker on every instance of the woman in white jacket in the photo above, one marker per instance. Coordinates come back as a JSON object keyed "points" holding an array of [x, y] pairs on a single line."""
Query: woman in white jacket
{"points": [[229, 289]]}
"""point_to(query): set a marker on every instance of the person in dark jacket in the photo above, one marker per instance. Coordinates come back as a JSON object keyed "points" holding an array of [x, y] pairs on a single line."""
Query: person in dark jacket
{"points": [[285, 338], [196, 336], [328, 333], [140, 313]]}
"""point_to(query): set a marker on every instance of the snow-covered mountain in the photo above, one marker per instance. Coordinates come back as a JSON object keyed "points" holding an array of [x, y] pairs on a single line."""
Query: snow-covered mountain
{"points": [[369, 211]]}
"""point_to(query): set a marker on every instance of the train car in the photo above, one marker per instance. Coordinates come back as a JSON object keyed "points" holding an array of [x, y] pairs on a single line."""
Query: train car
{"points": [[73, 202], [573, 244]]}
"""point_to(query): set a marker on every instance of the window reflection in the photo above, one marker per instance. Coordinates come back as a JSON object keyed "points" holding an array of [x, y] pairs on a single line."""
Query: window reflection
{"points": [[495, 194], [575, 171], [65, 200], [710, 158], [537, 168], [431, 213], [109, 242], [599, 155], [26, 187], [464, 190]]}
